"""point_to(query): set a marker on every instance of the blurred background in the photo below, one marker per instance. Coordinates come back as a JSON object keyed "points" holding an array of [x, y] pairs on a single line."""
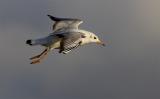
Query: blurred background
{"points": [[128, 68]]}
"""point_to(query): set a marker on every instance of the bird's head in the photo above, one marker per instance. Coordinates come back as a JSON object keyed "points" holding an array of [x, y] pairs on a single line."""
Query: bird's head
{"points": [[95, 39]]}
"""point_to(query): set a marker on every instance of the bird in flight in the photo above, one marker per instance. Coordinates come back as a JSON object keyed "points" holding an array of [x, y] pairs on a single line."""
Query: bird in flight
{"points": [[66, 36]]}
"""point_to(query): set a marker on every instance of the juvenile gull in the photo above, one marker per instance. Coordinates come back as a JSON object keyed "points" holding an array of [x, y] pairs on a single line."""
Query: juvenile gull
{"points": [[65, 37]]}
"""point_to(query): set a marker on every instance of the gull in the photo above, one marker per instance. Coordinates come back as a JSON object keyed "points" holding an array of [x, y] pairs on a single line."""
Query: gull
{"points": [[66, 36]]}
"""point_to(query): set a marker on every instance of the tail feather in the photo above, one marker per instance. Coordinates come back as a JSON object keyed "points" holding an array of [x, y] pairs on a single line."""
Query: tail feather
{"points": [[29, 42], [41, 41], [36, 42]]}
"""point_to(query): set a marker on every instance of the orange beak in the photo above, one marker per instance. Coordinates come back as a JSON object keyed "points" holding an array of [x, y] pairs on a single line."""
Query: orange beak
{"points": [[101, 43]]}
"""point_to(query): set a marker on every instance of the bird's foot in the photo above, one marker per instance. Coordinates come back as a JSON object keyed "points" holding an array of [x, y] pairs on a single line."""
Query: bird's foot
{"points": [[35, 57], [35, 61]]}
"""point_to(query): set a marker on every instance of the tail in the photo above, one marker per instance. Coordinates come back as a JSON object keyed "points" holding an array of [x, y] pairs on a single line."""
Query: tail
{"points": [[36, 42], [29, 42]]}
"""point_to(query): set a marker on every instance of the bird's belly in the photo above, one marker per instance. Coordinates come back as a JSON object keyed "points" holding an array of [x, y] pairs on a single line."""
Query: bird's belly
{"points": [[55, 45]]}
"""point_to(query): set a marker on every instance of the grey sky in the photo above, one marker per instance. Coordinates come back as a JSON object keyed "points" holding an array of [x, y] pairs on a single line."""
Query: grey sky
{"points": [[128, 68]]}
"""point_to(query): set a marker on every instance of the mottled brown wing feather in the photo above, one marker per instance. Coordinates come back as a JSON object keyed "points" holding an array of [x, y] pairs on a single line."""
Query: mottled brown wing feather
{"points": [[70, 41]]}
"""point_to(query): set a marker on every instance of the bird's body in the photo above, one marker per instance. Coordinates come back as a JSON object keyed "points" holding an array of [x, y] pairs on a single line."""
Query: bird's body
{"points": [[54, 39], [65, 37]]}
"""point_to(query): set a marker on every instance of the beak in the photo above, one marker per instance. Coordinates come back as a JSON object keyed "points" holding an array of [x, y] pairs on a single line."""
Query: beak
{"points": [[101, 43]]}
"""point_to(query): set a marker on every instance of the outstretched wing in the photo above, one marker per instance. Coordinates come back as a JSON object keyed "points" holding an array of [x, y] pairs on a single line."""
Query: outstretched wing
{"points": [[70, 41], [65, 23]]}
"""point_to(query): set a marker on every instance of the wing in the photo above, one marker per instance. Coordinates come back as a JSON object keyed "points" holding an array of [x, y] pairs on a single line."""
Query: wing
{"points": [[70, 41], [65, 23]]}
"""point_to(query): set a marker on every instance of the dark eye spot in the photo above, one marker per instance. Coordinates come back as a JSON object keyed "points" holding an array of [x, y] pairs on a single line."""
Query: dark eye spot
{"points": [[95, 38], [83, 36]]}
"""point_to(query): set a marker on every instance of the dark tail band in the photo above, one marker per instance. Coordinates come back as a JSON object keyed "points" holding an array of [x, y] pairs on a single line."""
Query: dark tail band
{"points": [[29, 42]]}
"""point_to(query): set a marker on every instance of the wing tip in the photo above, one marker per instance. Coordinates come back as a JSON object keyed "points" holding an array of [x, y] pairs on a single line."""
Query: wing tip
{"points": [[62, 19], [53, 18]]}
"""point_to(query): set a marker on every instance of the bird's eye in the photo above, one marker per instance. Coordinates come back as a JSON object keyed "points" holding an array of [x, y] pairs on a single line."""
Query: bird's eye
{"points": [[95, 38]]}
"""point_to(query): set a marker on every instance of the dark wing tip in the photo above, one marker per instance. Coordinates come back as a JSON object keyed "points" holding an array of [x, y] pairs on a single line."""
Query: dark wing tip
{"points": [[62, 19], [48, 15], [53, 18]]}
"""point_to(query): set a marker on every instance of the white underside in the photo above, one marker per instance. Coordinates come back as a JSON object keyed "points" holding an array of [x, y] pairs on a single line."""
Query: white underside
{"points": [[54, 42]]}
